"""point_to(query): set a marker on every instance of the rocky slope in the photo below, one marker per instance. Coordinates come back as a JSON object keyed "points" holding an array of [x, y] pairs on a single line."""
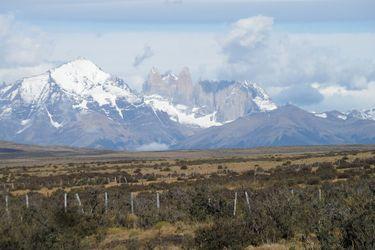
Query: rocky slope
{"points": [[214, 102]]}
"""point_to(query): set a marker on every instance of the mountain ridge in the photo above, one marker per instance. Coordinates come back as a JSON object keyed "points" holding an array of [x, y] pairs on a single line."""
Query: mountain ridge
{"points": [[286, 126], [223, 101], [78, 104]]}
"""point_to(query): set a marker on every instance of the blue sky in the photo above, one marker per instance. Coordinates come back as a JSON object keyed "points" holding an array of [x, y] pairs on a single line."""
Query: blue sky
{"points": [[318, 54]]}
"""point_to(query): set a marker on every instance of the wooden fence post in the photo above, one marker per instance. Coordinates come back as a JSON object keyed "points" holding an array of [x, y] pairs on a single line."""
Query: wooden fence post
{"points": [[65, 202], [79, 203], [106, 201], [7, 204], [27, 201], [157, 200], [132, 203], [235, 204], [247, 201]]}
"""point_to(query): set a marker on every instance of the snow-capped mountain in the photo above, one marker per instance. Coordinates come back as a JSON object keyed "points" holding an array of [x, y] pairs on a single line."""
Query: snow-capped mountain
{"points": [[78, 104], [366, 114], [207, 103], [286, 126]]}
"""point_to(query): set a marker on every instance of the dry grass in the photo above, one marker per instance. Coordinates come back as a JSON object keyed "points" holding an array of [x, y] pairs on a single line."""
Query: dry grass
{"points": [[115, 237], [166, 168]]}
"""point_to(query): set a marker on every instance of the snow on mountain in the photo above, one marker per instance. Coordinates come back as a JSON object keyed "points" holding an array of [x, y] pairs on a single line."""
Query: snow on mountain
{"points": [[232, 99], [261, 98], [182, 113], [332, 115], [321, 115], [78, 104], [219, 102], [85, 79], [366, 114], [81, 80], [286, 126]]}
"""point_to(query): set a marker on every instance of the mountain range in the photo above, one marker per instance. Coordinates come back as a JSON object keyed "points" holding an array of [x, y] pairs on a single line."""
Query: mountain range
{"points": [[78, 104]]}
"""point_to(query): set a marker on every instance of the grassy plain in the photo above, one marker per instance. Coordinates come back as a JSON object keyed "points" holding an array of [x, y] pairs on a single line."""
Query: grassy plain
{"points": [[196, 191]]}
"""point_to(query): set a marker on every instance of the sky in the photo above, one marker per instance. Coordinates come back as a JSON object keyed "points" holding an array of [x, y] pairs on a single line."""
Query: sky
{"points": [[319, 55]]}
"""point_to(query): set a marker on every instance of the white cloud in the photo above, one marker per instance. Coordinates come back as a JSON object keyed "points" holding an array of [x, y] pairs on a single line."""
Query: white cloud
{"points": [[255, 51], [154, 146], [172, 51], [24, 49], [340, 98], [12, 74], [245, 37], [21, 45]]}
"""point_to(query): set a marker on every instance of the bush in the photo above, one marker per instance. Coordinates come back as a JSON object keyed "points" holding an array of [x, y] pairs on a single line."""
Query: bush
{"points": [[313, 181]]}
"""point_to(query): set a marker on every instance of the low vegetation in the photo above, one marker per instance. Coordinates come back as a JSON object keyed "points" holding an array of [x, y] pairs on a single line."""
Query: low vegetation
{"points": [[305, 201]]}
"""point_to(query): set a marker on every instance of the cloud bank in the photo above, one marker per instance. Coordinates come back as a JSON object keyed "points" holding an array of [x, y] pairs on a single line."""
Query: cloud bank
{"points": [[318, 70], [255, 51], [24, 50]]}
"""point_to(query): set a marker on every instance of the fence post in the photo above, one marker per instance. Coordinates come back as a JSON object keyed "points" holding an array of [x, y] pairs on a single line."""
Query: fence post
{"points": [[247, 201], [7, 204], [132, 203], [157, 200], [27, 201], [79, 203], [65, 202], [235, 204], [106, 201]]}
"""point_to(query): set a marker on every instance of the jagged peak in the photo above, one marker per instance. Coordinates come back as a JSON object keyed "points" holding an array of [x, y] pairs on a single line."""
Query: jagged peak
{"points": [[154, 70]]}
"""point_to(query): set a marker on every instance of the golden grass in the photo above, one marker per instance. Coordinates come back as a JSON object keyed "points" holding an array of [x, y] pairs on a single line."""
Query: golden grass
{"points": [[161, 229]]}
